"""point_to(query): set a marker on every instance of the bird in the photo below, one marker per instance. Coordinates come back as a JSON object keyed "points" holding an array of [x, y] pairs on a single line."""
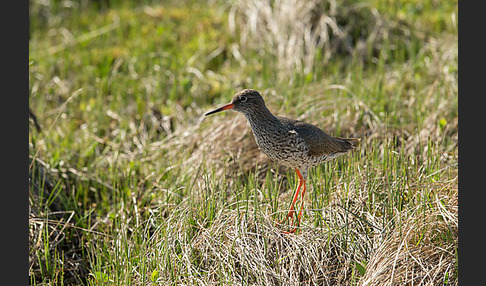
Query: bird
{"points": [[289, 142]]}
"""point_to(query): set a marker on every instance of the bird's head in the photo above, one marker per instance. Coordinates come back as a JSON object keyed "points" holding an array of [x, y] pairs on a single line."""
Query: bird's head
{"points": [[244, 101]]}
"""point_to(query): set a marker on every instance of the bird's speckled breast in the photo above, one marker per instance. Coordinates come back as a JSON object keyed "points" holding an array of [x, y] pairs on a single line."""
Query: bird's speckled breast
{"points": [[282, 145]]}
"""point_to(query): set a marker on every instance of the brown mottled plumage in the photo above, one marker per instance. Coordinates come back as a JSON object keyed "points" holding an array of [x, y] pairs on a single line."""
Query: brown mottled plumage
{"points": [[319, 142], [289, 142]]}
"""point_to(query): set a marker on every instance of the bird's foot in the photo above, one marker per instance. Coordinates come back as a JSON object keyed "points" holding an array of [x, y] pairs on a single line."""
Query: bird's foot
{"points": [[290, 216]]}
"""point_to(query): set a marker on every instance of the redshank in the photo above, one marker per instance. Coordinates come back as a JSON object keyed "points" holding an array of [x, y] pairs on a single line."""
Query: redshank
{"points": [[288, 142]]}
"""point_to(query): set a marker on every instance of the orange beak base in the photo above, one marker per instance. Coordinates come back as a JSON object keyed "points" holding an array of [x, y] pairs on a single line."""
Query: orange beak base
{"points": [[225, 107]]}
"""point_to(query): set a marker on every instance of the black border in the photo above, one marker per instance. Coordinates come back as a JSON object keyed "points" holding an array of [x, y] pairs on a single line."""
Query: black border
{"points": [[14, 131], [471, 156]]}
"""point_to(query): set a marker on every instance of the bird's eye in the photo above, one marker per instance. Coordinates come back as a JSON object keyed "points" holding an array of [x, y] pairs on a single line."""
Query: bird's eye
{"points": [[243, 98]]}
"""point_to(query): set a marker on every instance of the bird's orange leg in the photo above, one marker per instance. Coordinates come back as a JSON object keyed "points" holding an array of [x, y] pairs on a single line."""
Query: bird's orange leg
{"points": [[301, 181], [291, 210], [302, 202]]}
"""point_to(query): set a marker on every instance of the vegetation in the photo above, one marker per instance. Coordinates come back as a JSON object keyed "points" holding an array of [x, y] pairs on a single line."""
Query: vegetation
{"points": [[131, 185]]}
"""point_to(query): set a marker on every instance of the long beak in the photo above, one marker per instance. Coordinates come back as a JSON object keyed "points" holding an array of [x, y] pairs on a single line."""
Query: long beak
{"points": [[227, 106]]}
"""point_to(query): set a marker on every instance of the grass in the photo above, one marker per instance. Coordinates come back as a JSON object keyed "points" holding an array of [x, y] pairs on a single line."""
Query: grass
{"points": [[131, 185]]}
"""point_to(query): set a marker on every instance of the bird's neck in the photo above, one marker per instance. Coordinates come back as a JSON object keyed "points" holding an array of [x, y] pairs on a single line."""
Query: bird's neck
{"points": [[262, 118]]}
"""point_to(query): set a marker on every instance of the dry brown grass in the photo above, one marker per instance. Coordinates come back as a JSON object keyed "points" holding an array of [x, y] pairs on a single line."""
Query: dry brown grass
{"points": [[239, 249], [414, 252], [299, 33], [243, 246]]}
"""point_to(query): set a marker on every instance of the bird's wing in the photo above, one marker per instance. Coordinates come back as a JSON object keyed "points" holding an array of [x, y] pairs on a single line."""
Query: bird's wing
{"points": [[318, 141]]}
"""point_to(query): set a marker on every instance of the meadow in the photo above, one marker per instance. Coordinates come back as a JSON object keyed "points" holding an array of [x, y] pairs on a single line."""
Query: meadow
{"points": [[129, 183]]}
